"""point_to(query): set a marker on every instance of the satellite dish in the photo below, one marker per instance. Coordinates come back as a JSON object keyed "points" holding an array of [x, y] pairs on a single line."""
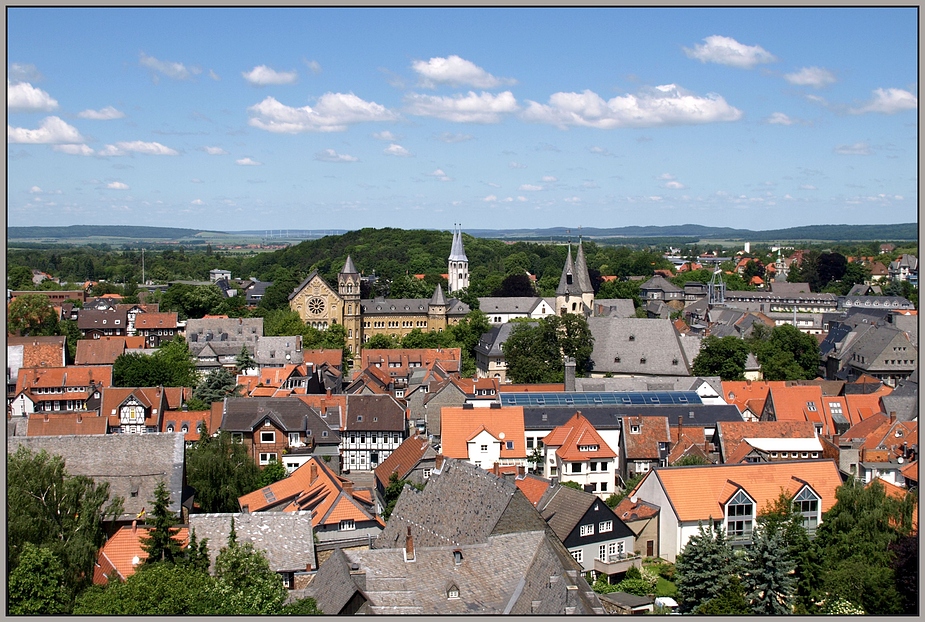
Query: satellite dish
{"points": [[501, 435], [899, 460]]}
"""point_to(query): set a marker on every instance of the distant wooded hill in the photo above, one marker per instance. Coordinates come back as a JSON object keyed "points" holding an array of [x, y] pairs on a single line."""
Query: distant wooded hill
{"points": [[834, 233]]}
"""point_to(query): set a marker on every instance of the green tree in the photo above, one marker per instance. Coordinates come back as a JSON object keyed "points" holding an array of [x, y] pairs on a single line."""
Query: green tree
{"points": [[244, 360], [779, 517], [244, 583], [393, 491], [704, 569], [381, 341], [156, 589], [302, 607], [534, 352], [272, 472], [768, 579], [161, 543], [36, 586], [788, 354], [731, 601], [219, 384], [32, 315], [47, 507], [276, 295], [513, 285], [171, 365], [690, 460], [221, 471], [19, 278], [722, 356]]}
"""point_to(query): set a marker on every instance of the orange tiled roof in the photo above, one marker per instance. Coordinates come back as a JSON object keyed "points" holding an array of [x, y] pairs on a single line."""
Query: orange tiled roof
{"points": [[866, 427], [740, 392], [911, 471], [629, 510], [67, 424], [40, 351], [117, 555], [102, 351], [644, 444], [574, 433], [458, 425], [149, 397], [532, 388], [533, 487], [192, 418], [71, 376], [319, 357], [700, 492], [153, 321], [403, 459]]}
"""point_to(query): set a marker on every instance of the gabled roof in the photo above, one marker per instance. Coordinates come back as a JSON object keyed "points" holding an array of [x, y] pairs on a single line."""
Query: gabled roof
{"points": [[286, 538], [570, 280], [56, 377], [405, 457], [629, 510], [319, 357], [105, 350], [58, 424], [374, 413], [41, 351], [562, 507], [645, 444], [289, 414], [152, 399], [457, 252], [700, 492], [192, 419], [533, 487], [639, 346], [459, 425], [314, 487], [659, 282], [578, 432], [732, 434], [154, 321], [117, 557]]}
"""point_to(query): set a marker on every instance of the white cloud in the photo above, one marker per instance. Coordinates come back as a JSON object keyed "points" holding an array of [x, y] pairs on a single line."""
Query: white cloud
{"points": [[728, 51], [35, 190], [214, 75], [177, 71], [215, 151], [662, 105], [24, 72], [521, 199], [674, 185], [667, 176], [600, 151], [23, 97], [197, 202], [816, 77], [490, 198], [808, 187], [81, 150], [889, 101], [439, 174], [137, 146], [449, 137], [117, 185], [51, 131], [387, 136], [572, 199], [314, 66], [329, 155], [456, 71], [333, 113], [248, 162], [855, 149], [263, 75], [397, 150], [470, 108], [779, 118], [106, 114], [549, 179], [530, 188], [517, 165]]}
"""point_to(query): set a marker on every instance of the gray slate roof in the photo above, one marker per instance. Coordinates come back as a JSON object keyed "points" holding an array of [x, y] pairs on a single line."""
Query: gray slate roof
{"points": [[290, 414], [236, 329], [128, 462], [634, 339], [374, 413], [614, 307], [509, 304], [607, 417], [461, 504], [286, 537], [519, 574], [649, 383], [457, 252]]}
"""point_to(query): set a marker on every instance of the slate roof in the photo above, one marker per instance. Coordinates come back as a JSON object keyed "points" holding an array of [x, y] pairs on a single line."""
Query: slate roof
{"points": [[513, 304], [461, 504], [130, 463], [237, 329], [286, 538], [637, 346], [290, 414], [516, 573], [563, 507], [700, 492], [904, 400], [490, 343], [658, 282], [374, 413], [649, 383], [614, 307], [403, 460], [412, 306], [457, 252], [93, 319]]}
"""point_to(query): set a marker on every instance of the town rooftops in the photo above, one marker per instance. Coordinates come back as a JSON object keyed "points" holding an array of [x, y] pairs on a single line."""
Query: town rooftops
{"points": [[122, 554], [403, 460], [286, 538]]}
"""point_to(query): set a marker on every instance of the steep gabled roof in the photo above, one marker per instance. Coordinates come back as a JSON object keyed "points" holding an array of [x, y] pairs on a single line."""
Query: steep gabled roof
{"points": [[115, 558], [58, 424], [405, 457], [733, 433], [653, 431], [286, 538], [578, 432], [459, 425], [457, 252]]}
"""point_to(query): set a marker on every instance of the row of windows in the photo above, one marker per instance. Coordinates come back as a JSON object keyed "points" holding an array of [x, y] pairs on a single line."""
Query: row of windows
{"points": [[795, 454], [374, 438], [51, 406], [46, 390], [602, 527], [592, 467]]}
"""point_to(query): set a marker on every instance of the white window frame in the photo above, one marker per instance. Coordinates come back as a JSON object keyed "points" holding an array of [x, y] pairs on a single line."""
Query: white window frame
{"points": [[578, 555], [605, 526], [271, 435], [586, 530], [347, 524], [294, 439], [267, 458]]}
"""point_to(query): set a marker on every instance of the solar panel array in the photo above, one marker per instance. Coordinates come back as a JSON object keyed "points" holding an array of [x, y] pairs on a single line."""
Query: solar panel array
{"points": [[609, 398]]}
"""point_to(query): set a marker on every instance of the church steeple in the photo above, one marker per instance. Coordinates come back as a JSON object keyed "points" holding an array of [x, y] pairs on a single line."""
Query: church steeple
{"points": [[581, 269], [458, 264]]}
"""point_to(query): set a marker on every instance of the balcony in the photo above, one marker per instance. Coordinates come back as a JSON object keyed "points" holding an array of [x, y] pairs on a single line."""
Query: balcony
{"points": [[617, 564]]}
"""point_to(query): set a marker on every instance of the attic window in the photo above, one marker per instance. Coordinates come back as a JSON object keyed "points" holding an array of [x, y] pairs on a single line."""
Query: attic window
{"points": [[811, 406], [266, 422], [634, 429], [452, 592], [324, 433], [457, 557], [674, 361], [359, 418]]}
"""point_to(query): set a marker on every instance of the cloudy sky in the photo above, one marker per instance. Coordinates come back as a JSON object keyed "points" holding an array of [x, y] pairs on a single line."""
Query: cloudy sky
{"points": [[235, 119]]}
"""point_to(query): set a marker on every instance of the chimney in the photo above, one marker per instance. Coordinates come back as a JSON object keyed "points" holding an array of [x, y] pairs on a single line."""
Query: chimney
{"points": [[521, 471], [892, 416], [348, 487], [134, 526], [496, 468], [80, 417], [314, 473], [409, 546], [680, 426], [46, 416], [438, 462], [569, 373]]}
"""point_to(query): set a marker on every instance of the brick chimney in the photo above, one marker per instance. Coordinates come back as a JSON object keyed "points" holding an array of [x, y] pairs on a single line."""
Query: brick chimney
{"points": [[892, 416], [409, 546], [80, 417], [348, 487], [521, 471], [496, 468], [438, 462], [313, 471]]}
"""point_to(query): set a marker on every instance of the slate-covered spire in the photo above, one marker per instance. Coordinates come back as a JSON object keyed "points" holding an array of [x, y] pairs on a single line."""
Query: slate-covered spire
{"points": [[569, 281], [581, 270], [349, 268], [457, 252], [438, 298]]}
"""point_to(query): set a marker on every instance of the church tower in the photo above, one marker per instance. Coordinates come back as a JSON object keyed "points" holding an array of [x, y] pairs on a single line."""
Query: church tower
{"points": [[458, 268], [348, 287], [574, 293], [436, 310], [584, 279]]}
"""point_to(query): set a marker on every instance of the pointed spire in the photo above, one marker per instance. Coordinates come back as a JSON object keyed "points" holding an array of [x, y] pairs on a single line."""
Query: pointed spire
{"points": [[568, 282], [457, 252], [438, 298], [581, 270], [349, 268]]}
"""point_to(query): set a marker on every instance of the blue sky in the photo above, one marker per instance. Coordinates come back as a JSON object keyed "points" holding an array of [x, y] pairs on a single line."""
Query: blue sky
{"points": [[306, 118]]}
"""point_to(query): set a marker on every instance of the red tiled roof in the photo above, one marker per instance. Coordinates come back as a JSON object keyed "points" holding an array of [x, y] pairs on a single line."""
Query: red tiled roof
{"points": [[644, 444], [118, 553], [629, 510], [533, 487], [66, 424], [553, 387], [403, 460], [575, 433], [191, 419], [700, 492], [71, 376], [40, 351], [102, 351], [458, 425], [149, 321], [319, 357]]}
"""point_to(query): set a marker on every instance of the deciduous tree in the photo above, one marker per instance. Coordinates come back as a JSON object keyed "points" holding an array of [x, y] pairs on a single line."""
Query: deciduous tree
{"points": [[220, 471], [722, 356]]}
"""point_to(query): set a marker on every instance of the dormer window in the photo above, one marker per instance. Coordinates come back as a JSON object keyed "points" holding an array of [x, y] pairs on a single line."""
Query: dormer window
{"points": [[642, 360], [632, 337], [634, 429], [452, 592]]}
